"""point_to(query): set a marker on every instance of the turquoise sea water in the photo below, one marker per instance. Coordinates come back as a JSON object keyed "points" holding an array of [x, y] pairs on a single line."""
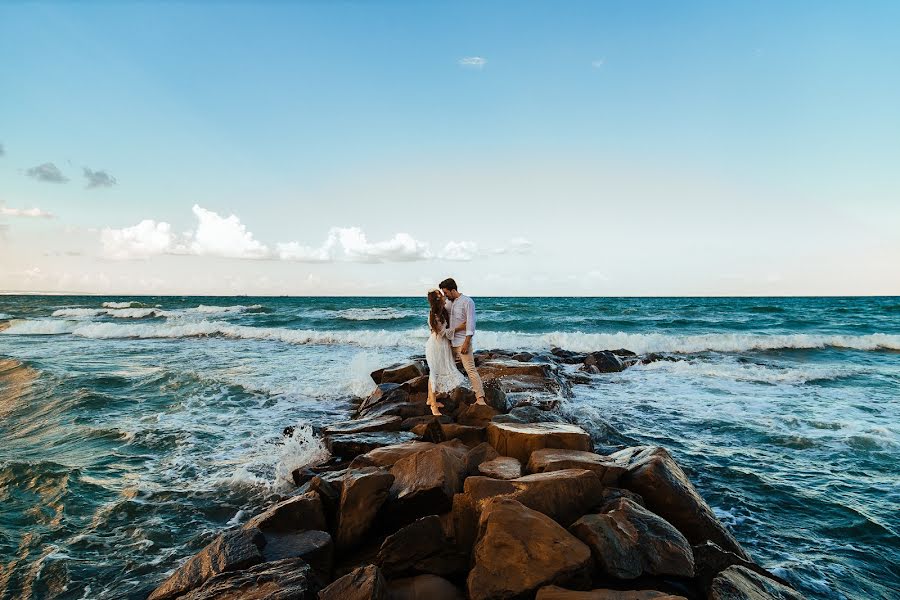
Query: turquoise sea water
{"points": [[132, 430]]}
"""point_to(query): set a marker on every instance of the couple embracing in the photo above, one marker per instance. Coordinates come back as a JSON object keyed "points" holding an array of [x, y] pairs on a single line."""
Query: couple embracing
{"points": [[452, 323]]}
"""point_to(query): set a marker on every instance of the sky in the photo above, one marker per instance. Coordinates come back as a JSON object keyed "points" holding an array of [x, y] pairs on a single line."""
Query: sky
{"points": [[524, 148]]}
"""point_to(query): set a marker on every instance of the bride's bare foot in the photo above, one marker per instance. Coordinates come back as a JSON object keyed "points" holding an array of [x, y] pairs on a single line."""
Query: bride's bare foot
{"points": [[436, 413], [481, 402]]}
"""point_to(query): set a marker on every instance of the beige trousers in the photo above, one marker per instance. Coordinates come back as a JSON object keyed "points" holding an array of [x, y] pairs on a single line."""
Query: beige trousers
{"points": [[468, 363]]}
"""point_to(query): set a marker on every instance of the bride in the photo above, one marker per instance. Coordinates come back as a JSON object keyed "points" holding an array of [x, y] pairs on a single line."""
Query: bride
{"points": [[443, 375]]}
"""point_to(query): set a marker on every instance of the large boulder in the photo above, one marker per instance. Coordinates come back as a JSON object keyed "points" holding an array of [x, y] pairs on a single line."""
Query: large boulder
{"points": [[630, 541], [555, 459], [229, 551], [425, 482], [387, 456], [520, 550], [383, 393], [399, 374], [420, 548], [529, 413], [603, 362], [298, 513], [740, 583], [289, 579], [477, 415], [502, 467], [314, 547], [562, 495], [552, 592], [483, 452], [519, 440], [666, 490], [710, 560], [379, 423], [364, 583], [350, 445], [364, 491], [424, 587]]}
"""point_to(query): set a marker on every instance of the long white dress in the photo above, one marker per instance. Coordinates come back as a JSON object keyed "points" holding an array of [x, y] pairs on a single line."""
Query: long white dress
{"points": [[442, 372]]}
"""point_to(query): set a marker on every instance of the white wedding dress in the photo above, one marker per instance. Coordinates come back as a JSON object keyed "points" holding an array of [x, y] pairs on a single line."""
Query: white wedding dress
{"points": [[442, 372]]}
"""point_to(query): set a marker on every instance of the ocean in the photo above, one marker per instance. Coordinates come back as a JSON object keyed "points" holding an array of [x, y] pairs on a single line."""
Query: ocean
{"points": [[132, 430]]}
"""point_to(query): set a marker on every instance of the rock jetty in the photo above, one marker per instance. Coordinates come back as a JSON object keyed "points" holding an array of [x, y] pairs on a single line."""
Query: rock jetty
{"points": [[505, 501]]}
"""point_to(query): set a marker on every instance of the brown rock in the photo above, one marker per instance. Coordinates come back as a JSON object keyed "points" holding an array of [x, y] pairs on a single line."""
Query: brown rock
{"points": [[351, 445], [630, 541], [502, 467], [557, 593], [458, 447], [364, 583], [410, 423], [529, 413], [469, 435], [388, 455], [314, 547], [464, 516], [230, 551], [554, 459], [290, 579], [519, 440], [299, 513], [402, 373], [379, 423], [420, 548], [740, 583], [479, 454], [666, 490], [520, 550], [425, 482], [383, 393], [710, 560], [364, 491], [418, 385], [562, 495], [478, 415], [424, 587]]}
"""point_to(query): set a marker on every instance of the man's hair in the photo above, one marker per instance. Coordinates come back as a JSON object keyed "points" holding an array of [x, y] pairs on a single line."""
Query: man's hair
{"points": [[448, 284]]}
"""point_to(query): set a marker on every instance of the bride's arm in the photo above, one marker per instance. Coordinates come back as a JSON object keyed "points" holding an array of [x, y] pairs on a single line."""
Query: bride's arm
{"points": [[448, 333]]}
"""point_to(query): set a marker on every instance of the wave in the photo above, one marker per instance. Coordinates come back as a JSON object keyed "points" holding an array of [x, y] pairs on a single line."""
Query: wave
{"points": [[577, 341], [4, 316], [134, 312], [373, 314], [745, 372], [125, 305]]}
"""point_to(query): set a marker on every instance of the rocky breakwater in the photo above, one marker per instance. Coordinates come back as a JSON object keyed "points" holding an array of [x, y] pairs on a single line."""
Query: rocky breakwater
{"points": [[487, 503]]}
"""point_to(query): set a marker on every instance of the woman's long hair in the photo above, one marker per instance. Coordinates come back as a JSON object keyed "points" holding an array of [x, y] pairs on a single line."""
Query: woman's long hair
{"points": [[439, 318]]}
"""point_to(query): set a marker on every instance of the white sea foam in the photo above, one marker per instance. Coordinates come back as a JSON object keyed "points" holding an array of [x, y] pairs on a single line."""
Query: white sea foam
{"points": [[4, 316], [301, 449], [747, 372], [128, 310], [373, 314], [37, 327], [132, 304]]}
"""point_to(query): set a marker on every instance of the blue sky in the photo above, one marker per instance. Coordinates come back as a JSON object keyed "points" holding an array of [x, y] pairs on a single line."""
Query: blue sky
{"points": [[527, 148]]}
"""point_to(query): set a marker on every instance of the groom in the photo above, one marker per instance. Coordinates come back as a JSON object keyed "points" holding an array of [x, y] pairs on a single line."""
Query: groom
{"points": [[462, 322]]}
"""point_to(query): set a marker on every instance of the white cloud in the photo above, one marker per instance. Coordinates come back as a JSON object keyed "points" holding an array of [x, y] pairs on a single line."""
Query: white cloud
{"points": [[350, 244], [223, 236], [25, 212], [147, 238], [473, 62], [459, 251]]}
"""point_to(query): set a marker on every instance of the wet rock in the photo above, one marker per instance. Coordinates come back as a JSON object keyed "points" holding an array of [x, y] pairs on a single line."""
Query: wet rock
{"points": [[383, 393], [230, 551], [502, 467], [377, 374], [417, 385], [402, 373], [470, 436], [424, 483], [529, 413], [568, 357], [520, 550], [353, 444], [290, 579], [388, 455], [558, 593], [562, 495], [410, 423], [554, 459], [477, 415], [364, 583], [495, 397], [366, 424], [481, 453], [666, 490], [740, 583], [363, 493], [603, 362], [420, 548], [711, 560], [522, 357], [314, 547], [430, 431], [519, 440], [299, 513], [424, 587], [630, 541]]}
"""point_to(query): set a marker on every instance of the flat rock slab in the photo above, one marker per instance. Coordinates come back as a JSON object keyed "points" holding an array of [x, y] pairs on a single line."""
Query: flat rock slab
{"points": [[290, 579], [555, 459], [386, 456], [630, 541], [364, 583], [519, 440], [353, 444], [424, 587], [300, 513], [502, 467], [653, 473], [520, 550], [366, 424], [740, 583], [557, 593]]}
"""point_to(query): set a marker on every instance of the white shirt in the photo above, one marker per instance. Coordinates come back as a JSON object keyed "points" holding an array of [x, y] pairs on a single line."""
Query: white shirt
{"points": [[461, 310]]}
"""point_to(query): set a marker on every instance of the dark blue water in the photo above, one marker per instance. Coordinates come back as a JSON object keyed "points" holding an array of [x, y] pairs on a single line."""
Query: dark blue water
{"points": [[131, 432]]}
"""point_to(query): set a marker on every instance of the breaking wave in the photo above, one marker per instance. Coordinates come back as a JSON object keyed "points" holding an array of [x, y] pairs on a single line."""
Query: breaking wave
{"points": [[126, 310]]}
